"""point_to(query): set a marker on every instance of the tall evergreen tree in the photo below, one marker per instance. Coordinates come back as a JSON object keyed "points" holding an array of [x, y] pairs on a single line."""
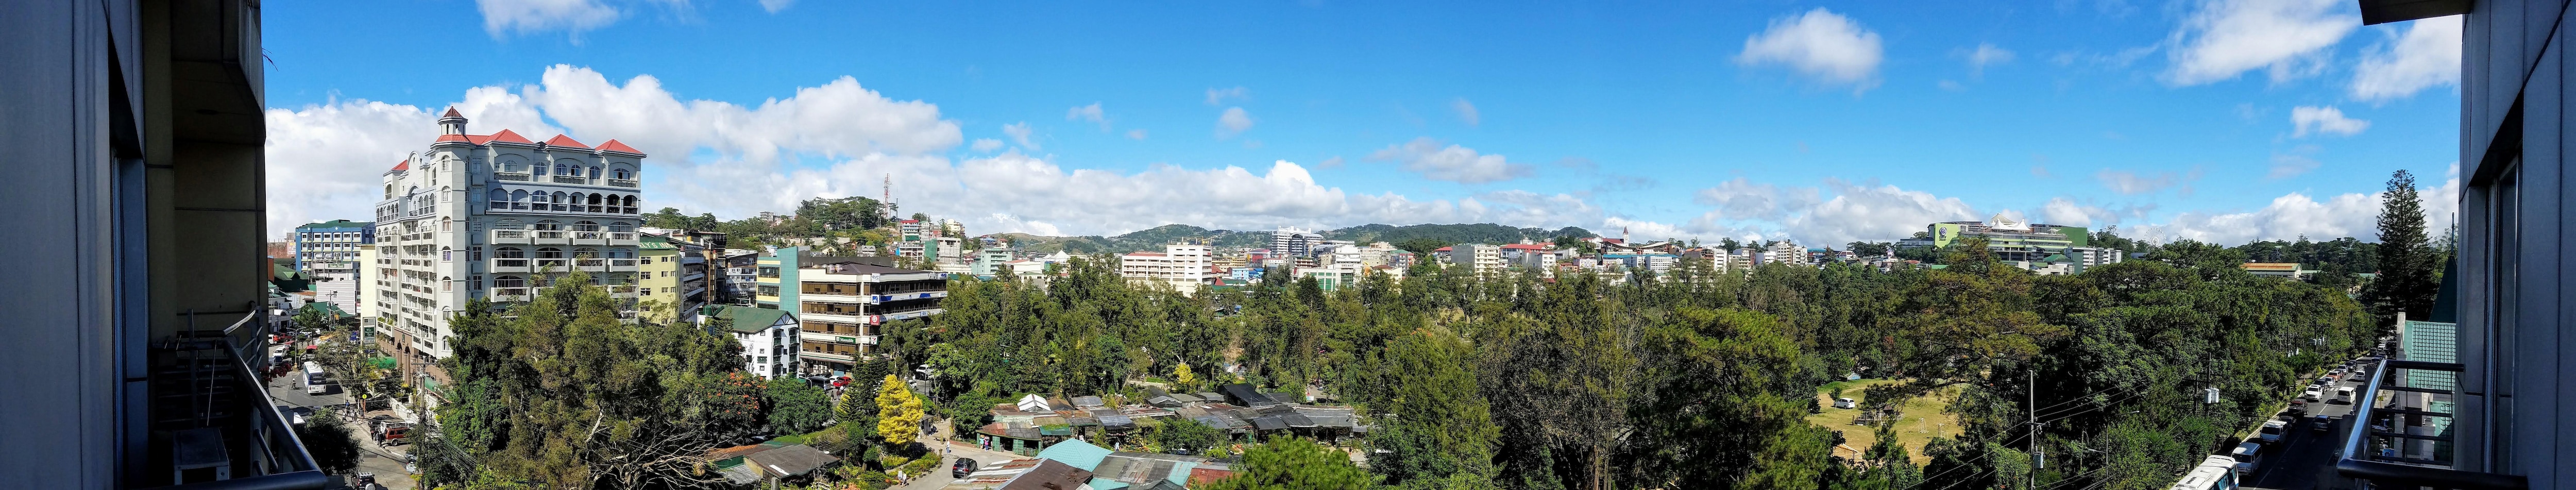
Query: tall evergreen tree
{"points": [[2405, 282]]}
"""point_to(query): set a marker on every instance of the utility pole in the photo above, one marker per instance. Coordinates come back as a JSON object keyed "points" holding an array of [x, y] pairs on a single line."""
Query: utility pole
{"points": [[2033, 381]]}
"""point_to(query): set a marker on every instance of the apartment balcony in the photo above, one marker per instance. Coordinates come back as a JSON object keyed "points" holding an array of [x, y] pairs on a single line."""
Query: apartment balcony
{"points": [[2403, 455], [511, 237], [627, 183], [881, 318], [621, 265], [221, 428], [851, 317], [509, 266], [559, 237], [509, 294], [828, 297]]}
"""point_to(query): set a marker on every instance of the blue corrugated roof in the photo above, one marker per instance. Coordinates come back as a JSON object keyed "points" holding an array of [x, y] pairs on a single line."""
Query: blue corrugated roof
{"points": [[1076, 453]]}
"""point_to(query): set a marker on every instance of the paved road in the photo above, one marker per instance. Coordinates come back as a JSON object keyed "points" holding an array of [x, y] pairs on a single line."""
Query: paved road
{"points": [[955, 450], [2304, 457], [383, 461]]}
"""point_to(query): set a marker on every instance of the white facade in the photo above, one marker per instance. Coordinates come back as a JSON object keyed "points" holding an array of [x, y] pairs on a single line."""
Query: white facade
{"points": [[1784, 252], [1184, 266], [1293, 243], [499, 216], [1481, 259], [772, 352]]}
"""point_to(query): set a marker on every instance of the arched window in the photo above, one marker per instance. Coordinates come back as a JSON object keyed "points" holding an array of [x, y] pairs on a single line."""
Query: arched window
{"points": [[585, 226], [622, 174], [550, 225], [621, 227], [561, 169], [413, 190], [595, 173], [541, 170], [389, 191], [510, 224], [500, 199], [560, 200], [519, 199], [509, 253]]}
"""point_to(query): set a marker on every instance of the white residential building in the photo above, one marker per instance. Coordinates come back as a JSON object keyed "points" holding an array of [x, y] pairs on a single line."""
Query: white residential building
{"points": [[1185, 267], [770, 338], [1783, 252], [1479, 258], [498, 216]]}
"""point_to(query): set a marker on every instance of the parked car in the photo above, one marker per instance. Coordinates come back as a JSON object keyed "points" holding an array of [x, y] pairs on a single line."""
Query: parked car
{"points": [[2248, 457], [2272, 430], [1840, 402], [2298, 408], [963, 467], [2321, 423], [2313, 392]]}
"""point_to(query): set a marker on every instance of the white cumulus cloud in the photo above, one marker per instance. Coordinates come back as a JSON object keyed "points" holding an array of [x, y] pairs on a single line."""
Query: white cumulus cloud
{"points": [[1233, 122], [2225, 38], [1452, 163], [530, 16], [1019, 132], [2308, 120], [1823, 46], [1985, 55], [986, 145], [2427, 55]]}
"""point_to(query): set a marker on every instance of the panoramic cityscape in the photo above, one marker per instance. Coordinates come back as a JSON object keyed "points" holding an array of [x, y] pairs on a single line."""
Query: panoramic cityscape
{"points": [[628, 244]]}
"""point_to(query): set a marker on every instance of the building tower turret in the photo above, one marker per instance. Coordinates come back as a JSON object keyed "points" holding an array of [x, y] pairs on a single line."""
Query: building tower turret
{"points": [[452, 122]]}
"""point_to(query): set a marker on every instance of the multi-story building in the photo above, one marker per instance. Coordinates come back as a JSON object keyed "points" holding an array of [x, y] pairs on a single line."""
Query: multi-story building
{"points": [[327, 252], [990, 262], [741, 272], [771, 339], [672, 277], [1291, 243], [2009, 240], [1184, 267], [499, 216], [846, 304], [1478, 258], [1782, 252]]}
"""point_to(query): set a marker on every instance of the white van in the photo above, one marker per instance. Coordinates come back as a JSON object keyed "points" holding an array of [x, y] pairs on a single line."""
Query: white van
{"points": [[2248, 457], [1840, 402], [313, 384], [2344, 392]]}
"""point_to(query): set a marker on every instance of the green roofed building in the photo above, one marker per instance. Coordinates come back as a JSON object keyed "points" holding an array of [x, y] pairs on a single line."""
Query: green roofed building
{"points": [[2053, 249], [768, 337]]}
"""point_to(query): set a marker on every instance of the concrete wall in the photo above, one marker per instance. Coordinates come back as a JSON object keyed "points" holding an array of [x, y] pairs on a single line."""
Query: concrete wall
{"points": [[2514, 146]]}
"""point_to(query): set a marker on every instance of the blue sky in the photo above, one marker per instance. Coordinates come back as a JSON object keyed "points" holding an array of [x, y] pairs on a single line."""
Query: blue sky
{"points": [[1820, 121]]}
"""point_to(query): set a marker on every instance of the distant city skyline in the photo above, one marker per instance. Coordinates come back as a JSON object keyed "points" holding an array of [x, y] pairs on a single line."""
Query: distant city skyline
{"points": [[1822, 122]]}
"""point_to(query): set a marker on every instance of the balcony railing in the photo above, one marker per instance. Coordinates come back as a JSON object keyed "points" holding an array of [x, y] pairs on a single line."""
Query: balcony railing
{"points": [[622, 182], [2363, 445], [208, 396], [571, 179], [510, 176]]}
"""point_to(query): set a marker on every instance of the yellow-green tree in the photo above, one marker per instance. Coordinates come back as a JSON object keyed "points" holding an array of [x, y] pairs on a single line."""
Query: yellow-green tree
{"points": [[899, 412], [1181, 373]]}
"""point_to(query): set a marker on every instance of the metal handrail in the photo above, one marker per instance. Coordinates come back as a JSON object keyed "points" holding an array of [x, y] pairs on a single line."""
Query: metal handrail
{"points": [[2359, 464], [307, 475]]}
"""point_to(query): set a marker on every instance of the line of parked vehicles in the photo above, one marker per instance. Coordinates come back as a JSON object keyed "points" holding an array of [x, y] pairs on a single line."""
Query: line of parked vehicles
{"points": [[2223, 472]]}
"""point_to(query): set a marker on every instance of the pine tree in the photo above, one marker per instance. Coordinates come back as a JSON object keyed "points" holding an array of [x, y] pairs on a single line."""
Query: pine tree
{"points": [[2405, 282]]}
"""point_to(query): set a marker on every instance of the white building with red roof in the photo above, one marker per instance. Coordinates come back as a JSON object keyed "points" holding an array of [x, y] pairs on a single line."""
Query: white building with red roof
{"points": [[498, 216]]}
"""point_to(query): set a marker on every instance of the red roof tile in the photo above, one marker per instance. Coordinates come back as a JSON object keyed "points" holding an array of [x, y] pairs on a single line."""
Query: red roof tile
{"points": [[1442, 249], [561, 140], [456, 138], [451, 112], [404, 166], [510, 137], [478, 140], [1526, 246], [613, 145]]}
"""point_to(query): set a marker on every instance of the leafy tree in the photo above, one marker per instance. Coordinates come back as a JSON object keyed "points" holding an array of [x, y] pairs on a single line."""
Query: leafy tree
{"points": [[795, 406], [1421, 246], [1291, 463], [1185, 436], [1182, 376], [1436, 423], [899, 412], [326, 435]]}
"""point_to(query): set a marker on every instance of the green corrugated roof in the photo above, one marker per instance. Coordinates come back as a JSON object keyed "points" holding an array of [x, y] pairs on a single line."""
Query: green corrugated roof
{"points": [[1075, 452], [746, 319], [654, 242]]}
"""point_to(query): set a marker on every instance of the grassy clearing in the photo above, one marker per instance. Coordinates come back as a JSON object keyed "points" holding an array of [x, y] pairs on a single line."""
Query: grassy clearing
{"points": [[1923, 418]]}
